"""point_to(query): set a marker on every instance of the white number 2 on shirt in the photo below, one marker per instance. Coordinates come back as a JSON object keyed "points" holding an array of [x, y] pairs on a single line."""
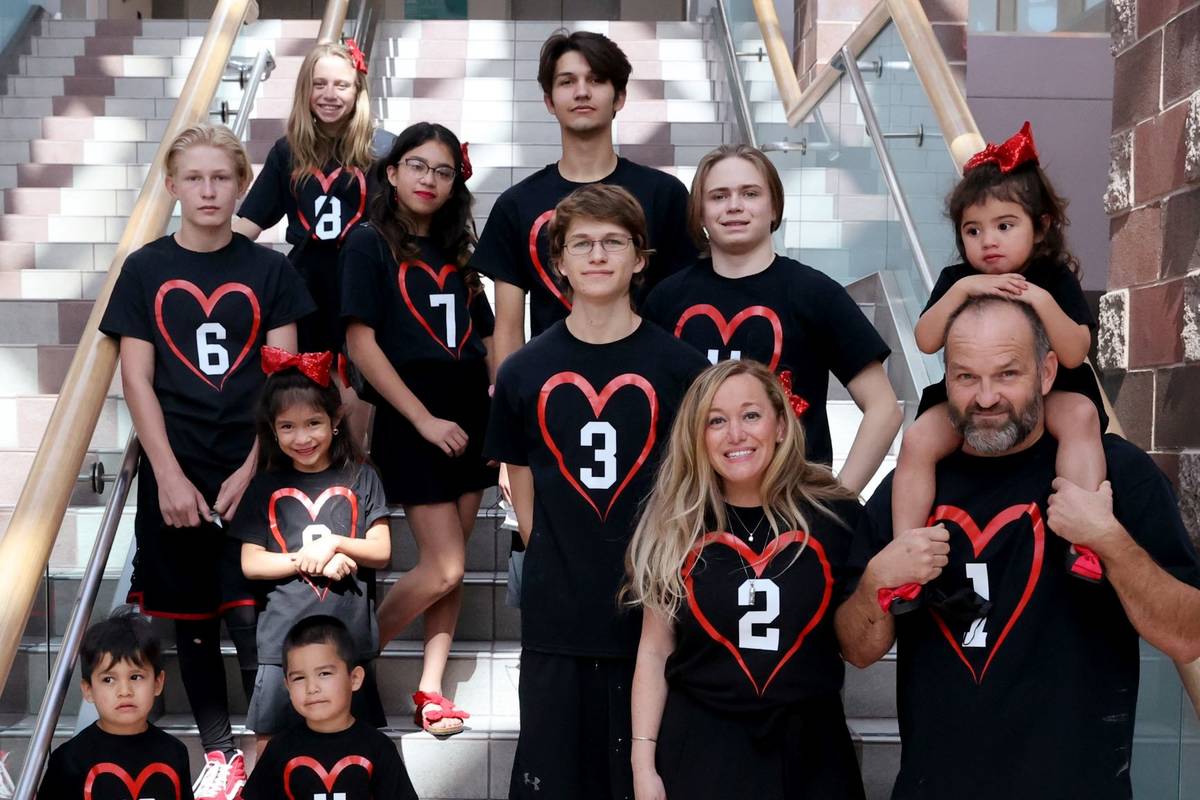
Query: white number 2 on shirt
{"points": [[329, 224], [212, 356], [714, 355], [747, 592], [605, 455], [976, 636], [447, 300]]}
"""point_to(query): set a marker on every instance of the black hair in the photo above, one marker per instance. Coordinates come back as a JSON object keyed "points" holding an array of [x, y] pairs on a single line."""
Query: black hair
{"points": [[452, 228], [320, 629], [607, 61], [290, 387], [1028, 187], [124, 636]]}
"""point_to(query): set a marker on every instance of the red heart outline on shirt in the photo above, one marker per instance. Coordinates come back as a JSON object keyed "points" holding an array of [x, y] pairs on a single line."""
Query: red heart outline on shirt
{"points": [[207, 304], [313, 509], [328, 779], [535, 257], [134, 785], [726, 328], [598, 402], [758, 562], [439, 278], [326, 181], [979, 541]]}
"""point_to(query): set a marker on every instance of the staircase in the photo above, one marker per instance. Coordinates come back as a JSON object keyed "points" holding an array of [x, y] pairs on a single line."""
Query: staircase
{"points": [[82, 119]]}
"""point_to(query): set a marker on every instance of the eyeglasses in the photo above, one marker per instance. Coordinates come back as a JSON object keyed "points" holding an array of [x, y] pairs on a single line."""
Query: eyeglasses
{"points": [[418, 167], [611, 244]]}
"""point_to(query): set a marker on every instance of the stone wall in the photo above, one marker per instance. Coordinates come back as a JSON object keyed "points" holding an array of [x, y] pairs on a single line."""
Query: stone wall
{"points": [[1149, 344]]}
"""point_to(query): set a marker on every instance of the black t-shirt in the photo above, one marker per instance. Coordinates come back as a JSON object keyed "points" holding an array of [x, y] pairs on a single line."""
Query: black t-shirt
{"points": [[588, 420], [419, 308], [1060, 284], [756, 633], [207, 315], [282, 511], [1038, 698], [359, 763], [515, 248], [789, 316], [151, 765]]}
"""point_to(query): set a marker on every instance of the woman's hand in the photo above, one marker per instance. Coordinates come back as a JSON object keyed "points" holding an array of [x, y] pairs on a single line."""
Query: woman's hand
{"points": [[232, 489], [447, 435], [316, 555], [180, 502], [648, 785]]}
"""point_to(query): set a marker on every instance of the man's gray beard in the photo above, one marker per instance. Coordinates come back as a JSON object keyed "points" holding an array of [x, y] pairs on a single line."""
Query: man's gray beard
{"points": [[992, 440]]}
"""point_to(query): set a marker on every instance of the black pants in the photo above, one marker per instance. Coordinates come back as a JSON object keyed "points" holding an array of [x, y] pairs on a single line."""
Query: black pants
{"points": [[202, 669], [575, 728]]}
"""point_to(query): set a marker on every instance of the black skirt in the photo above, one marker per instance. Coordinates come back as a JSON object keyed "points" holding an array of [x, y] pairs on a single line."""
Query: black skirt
{"points": [[415, 471]]}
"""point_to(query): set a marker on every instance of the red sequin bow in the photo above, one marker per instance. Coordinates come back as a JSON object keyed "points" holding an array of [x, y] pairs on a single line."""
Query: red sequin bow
{"points": [[357, 56], [314, 366], [799, 404], [467, 171], [1014, 152]]}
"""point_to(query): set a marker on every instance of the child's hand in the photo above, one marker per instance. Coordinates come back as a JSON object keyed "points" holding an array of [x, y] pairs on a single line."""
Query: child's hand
{"points": [[1010, 285], [180, 502], [339, 567], [445, 434], [316, 555]]}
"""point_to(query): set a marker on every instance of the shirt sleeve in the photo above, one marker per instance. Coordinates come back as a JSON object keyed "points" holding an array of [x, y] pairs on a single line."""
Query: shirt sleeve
{"points": [[499, 251], [127, 313], [872, 532], [482, 316], [290, 299], [364, 295], [945, 280], [371, 497], [266, 780], [849, 341], [505, 441], [391, 776], [57, 782], [184, 767], [264, 204], [250, 523], [673, 244], [1067, 292], [652, 308]]}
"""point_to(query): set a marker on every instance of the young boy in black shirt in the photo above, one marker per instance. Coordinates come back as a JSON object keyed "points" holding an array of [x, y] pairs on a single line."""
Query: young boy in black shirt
{"points": [[332, 754], [121, 755]]}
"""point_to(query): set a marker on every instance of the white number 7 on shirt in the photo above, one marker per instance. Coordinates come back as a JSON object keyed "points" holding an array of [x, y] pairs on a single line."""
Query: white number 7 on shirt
{"points": [[446, 300]]}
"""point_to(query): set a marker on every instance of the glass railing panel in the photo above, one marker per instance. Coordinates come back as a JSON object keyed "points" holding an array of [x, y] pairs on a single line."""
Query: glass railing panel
{"points": [[1162, 705], [1039, 16]]}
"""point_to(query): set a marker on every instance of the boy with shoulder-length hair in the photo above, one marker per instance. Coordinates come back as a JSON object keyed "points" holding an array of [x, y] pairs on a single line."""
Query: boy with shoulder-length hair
{"points": [[579, 414], [120, 662]]}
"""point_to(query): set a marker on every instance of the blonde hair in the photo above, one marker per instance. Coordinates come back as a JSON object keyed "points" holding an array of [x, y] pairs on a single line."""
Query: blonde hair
{"points": [[695, 210], [688, 497], [311, 147], [205, 135]]}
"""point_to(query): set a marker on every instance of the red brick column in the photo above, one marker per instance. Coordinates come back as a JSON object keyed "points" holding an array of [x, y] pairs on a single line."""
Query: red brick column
{"points": [[1149, 344]]}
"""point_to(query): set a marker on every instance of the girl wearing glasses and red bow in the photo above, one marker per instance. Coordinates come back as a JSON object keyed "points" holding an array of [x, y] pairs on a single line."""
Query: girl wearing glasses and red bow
{"points": [[1009, 225], [418, 328]]}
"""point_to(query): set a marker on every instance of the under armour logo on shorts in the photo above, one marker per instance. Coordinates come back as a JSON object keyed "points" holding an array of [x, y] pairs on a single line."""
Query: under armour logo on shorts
{"points": [[535, 782]]}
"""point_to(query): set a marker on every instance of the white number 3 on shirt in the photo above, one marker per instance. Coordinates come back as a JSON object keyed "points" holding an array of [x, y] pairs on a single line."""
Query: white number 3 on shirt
{"points": [[605, 455]]}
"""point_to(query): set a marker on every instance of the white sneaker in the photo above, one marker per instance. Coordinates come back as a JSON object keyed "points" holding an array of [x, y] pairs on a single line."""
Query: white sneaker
{"points": [[221, 779]]}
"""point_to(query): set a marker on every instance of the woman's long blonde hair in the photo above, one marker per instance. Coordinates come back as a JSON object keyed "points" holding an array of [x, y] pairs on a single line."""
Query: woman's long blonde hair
{"points": [[311, 147], [688, 499]]}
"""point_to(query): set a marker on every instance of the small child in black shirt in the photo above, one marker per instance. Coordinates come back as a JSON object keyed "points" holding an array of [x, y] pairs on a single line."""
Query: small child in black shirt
{"points": [[332, 754], [122, 755]]}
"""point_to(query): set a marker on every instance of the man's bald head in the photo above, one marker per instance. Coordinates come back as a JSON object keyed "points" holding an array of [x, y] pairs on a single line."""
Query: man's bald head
{"points": [[989, 304]]}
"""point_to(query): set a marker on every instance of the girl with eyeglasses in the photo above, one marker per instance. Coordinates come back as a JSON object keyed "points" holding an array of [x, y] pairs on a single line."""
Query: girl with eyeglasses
{"points": [[418, 327]]}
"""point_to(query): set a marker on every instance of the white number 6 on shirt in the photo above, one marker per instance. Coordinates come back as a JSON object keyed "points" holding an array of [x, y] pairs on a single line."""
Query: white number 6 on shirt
{"points": [[329, 224], [212, 356], [606, 454]]}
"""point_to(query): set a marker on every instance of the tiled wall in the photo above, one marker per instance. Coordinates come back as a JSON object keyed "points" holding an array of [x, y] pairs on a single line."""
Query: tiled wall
{"points": [[1150, 317]]}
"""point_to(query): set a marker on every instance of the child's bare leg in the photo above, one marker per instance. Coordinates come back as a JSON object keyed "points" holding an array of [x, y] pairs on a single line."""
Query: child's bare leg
{"points": [[1072, 419], [927, 441]]}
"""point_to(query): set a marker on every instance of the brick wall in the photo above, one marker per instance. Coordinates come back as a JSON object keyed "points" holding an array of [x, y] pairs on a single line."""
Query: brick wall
{"points": [[1149, 344]]}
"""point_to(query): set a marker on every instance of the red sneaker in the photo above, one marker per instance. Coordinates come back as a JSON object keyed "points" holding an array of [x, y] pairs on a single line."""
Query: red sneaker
{"points": [[221, 779]]}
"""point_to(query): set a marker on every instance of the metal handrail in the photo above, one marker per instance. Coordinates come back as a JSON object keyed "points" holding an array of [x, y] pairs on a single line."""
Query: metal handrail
{"points": [[264, 65], [846, 60], [366, 21], [733, 75], [81, 613]]}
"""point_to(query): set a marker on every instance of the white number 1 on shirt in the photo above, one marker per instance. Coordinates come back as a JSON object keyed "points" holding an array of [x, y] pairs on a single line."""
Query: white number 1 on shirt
{"points": [[325, 796], [446, 300], [978, 575]]}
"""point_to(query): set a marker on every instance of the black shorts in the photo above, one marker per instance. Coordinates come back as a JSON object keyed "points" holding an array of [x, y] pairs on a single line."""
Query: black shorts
{"points": [[416, 472], [271, 710], [184, 573], [803, 754], [322, 329], [575, 728]]}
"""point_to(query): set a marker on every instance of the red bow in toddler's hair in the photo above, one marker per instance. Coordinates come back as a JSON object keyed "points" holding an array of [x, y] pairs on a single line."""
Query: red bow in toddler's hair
{"points": [[799, 404], [357, 57], [314, 366], [467, 171], [1014, 152]]}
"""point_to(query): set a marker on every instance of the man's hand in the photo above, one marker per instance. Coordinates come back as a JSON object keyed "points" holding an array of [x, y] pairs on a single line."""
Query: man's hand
{"points": [[316, 555], [180, 502], [1084, 518], [232, 489], [914, 556]]}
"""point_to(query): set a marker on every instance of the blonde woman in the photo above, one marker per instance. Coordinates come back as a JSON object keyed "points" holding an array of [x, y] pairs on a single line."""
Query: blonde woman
{"points": [[318, 176], [735, 562]]}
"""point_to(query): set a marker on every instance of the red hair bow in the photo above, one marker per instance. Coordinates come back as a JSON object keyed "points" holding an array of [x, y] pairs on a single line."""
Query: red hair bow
{"points": [[799, 404], [357, 56], [467, 171], [1018, 150], [314, 366]]}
